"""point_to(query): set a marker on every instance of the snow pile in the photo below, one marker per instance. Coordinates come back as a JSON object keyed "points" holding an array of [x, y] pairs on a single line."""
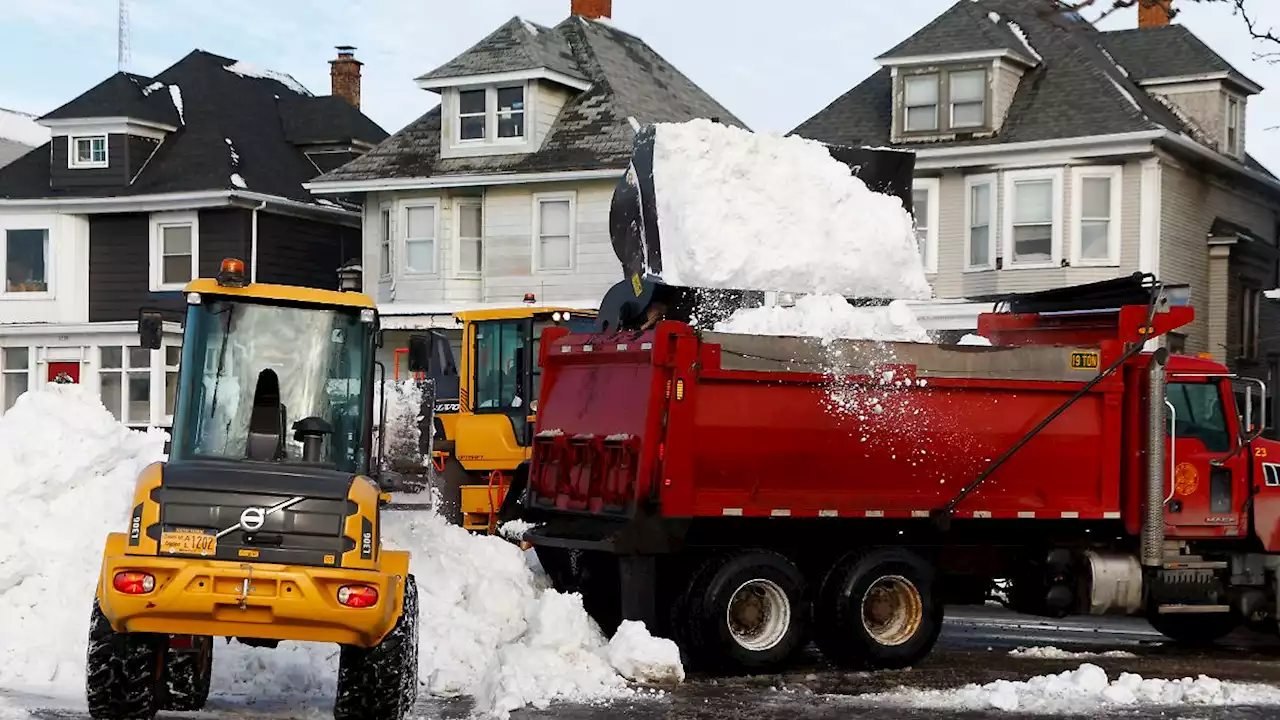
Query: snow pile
{"points": [[975, 340], [244, 69], [829, 317], [404, 412], [639, 656], [1042, 652], [175, 94], [22, 128], [743, 210], [1083, 689]]}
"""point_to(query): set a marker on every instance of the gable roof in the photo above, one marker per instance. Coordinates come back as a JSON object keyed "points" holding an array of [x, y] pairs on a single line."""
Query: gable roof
{"points": [[1077, 88], [230, 122], [1166, 51], [516, 45], [629, 81], [964, 27]]}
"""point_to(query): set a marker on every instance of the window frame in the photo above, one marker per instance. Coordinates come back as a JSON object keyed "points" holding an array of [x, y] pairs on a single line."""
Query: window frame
{"points": [[932, 187], [536, 235], [1232, 144], [492, 114], [1011, 180], [6, 373], [403, 239], [73, 144], [164, 370], [386, 241], [523, 87], [936, 76], [458, 116], [124, 372], [982, 103], [1115, 174], [48, 291], [158, 222], [993, 223], [458, 208]]}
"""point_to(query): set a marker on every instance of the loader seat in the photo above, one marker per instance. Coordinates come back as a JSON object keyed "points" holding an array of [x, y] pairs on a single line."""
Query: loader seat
{"points": [[266, 421]]}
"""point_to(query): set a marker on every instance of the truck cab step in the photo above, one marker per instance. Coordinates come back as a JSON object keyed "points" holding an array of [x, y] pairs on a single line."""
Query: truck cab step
{"points": [[1181, 609]]}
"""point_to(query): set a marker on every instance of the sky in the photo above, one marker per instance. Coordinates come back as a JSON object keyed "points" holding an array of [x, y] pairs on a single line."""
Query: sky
{"points": [[774, 64]]}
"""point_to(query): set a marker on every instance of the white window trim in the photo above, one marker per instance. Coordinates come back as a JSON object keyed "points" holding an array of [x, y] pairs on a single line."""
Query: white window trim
{"points": [[491, 115], [386, 226], [48, 293], [159, 380], [75, 164], [5, 374], [1232, 149], [161, 220], [402, 241], [1011, 177], [993, 221], [458, 205], [937, 103], [932, 187], [1114, 173], [985, 105], [536, 243], [154, 369]]}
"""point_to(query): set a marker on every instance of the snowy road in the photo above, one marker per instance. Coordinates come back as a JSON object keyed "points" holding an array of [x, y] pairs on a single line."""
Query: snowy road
{"points": [[974, 648]]}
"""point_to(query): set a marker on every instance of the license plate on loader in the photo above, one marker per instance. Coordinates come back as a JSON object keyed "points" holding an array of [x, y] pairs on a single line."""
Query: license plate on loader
{"points": [[188, 542]]}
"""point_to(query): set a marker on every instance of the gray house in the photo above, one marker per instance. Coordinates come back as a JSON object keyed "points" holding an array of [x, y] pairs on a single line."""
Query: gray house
{"points": [[1050, 153]]}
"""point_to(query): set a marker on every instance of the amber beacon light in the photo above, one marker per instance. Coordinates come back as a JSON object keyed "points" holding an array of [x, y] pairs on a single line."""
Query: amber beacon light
{"points": [[231, 274]]}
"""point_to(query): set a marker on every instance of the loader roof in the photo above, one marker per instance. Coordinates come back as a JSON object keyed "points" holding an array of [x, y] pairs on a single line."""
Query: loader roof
{"points": [[289, 293]]}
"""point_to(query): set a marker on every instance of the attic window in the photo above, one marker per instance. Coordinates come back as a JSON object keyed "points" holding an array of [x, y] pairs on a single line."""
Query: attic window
{"points": [[1233, 126], [921, 103], [968, 98], [471, 114], [495, 112], [88, 152]]}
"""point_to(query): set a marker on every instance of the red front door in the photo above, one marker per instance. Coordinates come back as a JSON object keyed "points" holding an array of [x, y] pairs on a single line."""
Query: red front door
{"points": [[67, 371]]}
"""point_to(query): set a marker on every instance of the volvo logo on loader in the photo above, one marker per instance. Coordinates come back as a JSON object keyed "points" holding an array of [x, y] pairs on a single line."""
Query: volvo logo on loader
{"points": [[253, 518]]}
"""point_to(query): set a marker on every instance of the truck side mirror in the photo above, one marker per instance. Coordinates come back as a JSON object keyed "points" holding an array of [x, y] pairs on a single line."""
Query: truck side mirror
{"points": [[420, 349], [150, 329]]}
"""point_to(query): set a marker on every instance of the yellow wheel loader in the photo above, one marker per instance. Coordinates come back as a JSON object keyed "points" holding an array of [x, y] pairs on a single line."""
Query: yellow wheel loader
{"points": [[485, 407], [264, 523]]}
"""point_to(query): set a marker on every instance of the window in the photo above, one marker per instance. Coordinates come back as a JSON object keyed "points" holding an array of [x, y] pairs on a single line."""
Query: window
{"points": [[1233, 126], [88, 152], [498, 381], [1095, 210], [980, 209], [472, 114], [16, 364], [175, 250], [470, 246], [921, 95], [172, 358], [968, 98], [1198, 412], [26, 261], [1033, 219], [924, 200], [420, 239], [511, 112], [384, 242], [1250, 311], [124, 382], [553, 232]]}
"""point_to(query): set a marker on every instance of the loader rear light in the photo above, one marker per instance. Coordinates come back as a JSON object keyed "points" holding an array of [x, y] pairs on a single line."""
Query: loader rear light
{"points": [[231, 273], [357, 596], [134, 583]]}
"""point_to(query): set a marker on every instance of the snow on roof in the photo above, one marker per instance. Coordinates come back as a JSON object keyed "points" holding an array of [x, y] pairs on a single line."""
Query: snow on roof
{"points": [[22, 128], [244, 69], [175, 94]]}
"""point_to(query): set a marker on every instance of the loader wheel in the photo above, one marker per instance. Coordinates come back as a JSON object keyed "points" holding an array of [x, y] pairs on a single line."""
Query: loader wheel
{"points": [[1194, 629], [381, 682], [122, 671], [878, 610], [187, 676], [742, 612]]}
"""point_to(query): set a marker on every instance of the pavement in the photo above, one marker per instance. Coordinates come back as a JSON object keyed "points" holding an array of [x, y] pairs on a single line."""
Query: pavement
{"points": [[974, 648]]}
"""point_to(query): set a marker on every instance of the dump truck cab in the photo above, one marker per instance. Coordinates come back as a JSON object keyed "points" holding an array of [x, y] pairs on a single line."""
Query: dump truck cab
{"points": [[264, 524]]}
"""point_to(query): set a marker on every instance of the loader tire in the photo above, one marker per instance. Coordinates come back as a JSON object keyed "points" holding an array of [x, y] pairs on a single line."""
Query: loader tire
{"points": [[381, 682], [742, 612], [877, 610], [122, 671], [1198, 629], [187, 677]]}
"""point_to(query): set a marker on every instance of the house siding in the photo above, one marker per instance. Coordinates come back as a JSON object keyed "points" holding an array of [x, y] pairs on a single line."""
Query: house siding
{"points": [[125, 156], [296, 251], [66, 273], [1206, 108], [548, 101], [1004, 86]]}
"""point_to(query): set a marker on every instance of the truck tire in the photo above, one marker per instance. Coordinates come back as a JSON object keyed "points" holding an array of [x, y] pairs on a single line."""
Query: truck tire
{"points": [[187, 677], [1195, 629], [381, 682], [742, 612], [878, 609], [122, 671]]}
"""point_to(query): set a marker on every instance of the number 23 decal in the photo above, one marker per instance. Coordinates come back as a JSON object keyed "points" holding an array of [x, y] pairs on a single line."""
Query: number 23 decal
{"points": [[1260, 452]]}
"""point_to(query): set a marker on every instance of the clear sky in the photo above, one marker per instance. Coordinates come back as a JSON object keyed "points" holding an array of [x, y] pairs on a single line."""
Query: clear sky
{"points": [[772, 63]]}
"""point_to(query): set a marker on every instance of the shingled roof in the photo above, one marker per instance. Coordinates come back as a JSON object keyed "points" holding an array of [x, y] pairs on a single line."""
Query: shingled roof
{"points": [[231, 119], [1085, 81], [629, 82], [1165, 51]]}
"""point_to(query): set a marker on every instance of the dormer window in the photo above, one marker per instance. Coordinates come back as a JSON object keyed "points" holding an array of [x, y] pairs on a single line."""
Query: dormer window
{"points": [[88, 151], [921, 103], [511, 112], [968, 98], [497, 112], [472, 117], [943, 101], [1233, 126]]}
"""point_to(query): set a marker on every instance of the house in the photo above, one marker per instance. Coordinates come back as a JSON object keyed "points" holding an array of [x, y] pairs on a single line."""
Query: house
{"points": [[1050, 153], [147, 183], [19, 135], [503, 189]]}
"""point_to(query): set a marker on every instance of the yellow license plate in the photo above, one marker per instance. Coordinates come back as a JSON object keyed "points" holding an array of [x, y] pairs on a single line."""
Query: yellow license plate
{"points": [[188, 542]]}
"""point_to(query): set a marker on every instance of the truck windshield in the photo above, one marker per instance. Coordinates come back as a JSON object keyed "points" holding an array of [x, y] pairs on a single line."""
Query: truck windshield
{"points": [[252, 370], [498, 382], [1198, 413]]}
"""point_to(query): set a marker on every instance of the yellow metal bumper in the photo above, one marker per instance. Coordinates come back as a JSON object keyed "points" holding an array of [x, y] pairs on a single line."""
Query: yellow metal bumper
{"points": [[278, 602]]}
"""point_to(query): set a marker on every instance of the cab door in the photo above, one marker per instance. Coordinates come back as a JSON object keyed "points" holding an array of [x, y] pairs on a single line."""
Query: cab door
{"points": [[1208, 470]]}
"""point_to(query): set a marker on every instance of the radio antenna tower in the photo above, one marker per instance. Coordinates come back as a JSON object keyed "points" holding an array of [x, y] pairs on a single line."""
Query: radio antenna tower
{"points": [[122, 37]]}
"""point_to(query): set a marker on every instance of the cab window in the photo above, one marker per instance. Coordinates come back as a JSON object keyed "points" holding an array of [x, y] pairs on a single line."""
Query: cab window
{"points": [[498, 384], [1198, 412]]}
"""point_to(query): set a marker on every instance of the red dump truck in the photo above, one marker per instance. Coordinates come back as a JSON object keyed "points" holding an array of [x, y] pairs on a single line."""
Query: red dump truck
{"points": [[739, 497]]}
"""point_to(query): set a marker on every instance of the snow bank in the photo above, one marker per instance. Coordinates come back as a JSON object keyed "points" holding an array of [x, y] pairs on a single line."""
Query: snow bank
{"points": [[1053, 653], [743, 210], [639, 656], [1078, 691], [829, 317]]}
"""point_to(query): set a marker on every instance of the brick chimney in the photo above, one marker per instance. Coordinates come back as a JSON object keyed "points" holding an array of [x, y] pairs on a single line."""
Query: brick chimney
{"points": [[593, 9], [344, 75], [1154, 13]]}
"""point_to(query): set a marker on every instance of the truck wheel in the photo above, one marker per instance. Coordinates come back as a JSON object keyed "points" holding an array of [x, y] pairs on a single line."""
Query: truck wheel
{"points": [[122, 671], [1196, 629], [381, 682], [187, 676], [742, 612], [878, 610]]}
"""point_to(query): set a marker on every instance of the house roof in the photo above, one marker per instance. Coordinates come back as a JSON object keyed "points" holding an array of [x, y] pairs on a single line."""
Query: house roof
{"points": [[230, 122], [964, 27], [629, 80], [516, 45], [1167, 51], [1078, 88]]}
